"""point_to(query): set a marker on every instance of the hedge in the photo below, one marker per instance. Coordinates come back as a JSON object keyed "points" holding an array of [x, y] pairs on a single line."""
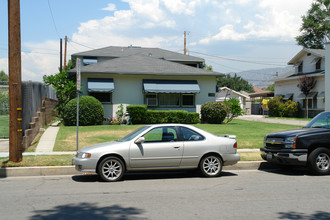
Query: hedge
{"points": [[140, 115], [213, 113]]}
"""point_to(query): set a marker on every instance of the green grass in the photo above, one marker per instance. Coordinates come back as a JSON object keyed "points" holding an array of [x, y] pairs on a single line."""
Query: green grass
{"points": [[249, 134], [30, 161], [4, 126]]}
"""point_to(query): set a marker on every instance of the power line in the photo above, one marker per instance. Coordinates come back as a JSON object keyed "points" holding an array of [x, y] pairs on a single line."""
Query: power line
{"points": [[70, 40], [237, 60], [51, 12]]}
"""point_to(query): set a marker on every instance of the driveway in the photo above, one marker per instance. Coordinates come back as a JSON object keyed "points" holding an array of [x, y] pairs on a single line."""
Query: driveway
{"points": [[262, 118]]}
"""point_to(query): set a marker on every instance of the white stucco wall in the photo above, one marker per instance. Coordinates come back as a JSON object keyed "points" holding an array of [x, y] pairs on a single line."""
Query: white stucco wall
{"points": [[129, 90], [290, 86], [327, 77], [308, 67]]}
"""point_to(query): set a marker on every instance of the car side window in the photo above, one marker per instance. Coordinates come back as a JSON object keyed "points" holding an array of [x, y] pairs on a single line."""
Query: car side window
{"points": [[190, 135], [162, 134]]}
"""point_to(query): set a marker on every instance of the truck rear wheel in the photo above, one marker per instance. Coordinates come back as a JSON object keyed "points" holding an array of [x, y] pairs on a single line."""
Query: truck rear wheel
{"points": [[319, 161]]}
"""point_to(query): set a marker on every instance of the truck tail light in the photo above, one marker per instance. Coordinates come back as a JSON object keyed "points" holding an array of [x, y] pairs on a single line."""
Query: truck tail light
{"points": [[235, 145]]}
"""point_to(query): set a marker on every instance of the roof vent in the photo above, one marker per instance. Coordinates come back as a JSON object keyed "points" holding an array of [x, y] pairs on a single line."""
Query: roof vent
{"points": [[150, 54]]}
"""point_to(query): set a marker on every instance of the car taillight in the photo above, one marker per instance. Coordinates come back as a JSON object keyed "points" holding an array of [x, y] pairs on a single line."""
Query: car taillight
{"points": [[235, 145]]}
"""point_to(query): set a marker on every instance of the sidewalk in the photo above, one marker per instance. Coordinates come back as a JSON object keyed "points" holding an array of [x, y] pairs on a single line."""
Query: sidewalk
{"points": [[262, 118]]}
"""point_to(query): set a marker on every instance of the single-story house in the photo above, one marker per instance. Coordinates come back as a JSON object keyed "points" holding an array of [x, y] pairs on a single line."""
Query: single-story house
{"points": [[158, 78], [327, 76], [227, 93], [309, 63]]}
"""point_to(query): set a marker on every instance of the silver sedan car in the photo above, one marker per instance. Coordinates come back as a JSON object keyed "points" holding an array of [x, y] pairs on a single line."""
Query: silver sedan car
{"points": [[159, 147]]}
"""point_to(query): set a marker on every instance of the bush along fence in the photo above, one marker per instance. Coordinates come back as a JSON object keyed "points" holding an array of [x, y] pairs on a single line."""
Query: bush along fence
{"points": [[140, 115]]}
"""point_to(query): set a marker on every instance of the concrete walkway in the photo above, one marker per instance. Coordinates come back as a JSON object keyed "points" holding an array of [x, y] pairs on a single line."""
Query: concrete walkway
{"points": [[262, 118], [47, 140]]}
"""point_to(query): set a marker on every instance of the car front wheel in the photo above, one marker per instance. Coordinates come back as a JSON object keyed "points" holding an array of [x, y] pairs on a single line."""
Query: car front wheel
{"points": [[211, 166], [319, 161], [111, 169]]}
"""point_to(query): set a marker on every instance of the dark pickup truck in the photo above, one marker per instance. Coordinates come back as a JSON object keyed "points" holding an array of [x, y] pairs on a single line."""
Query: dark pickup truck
{"points": [[308, 146]]}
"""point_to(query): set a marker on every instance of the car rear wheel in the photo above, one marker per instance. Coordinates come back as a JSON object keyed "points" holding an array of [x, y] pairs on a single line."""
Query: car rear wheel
{"points": [[111, 169], [319, 161], [211, 166]]}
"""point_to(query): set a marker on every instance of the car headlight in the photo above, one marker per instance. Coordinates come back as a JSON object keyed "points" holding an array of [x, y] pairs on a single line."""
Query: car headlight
{"points": [[290, 142], [83, 155]]}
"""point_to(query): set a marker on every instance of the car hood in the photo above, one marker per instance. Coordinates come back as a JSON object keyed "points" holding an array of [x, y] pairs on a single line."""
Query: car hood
{"points": [[102, 146], [295, 132]]}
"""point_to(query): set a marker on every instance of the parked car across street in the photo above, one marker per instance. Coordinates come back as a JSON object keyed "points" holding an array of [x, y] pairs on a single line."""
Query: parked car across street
{"points": [[308, 146], [159, 147]]}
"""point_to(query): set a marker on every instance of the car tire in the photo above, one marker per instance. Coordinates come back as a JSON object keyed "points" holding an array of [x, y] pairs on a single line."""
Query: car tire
{"points": [[319, 161], [210, 166], [111, 169]]}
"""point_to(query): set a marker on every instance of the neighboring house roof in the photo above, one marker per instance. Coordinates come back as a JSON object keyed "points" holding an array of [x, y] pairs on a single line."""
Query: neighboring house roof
{"points": [[293, 75], [116, 52], [316, 52], [233, 91], [144, 65], [261, 93]]}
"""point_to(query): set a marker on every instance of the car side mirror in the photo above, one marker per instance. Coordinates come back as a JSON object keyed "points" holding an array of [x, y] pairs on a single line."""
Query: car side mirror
{"points": [[140, 140]]}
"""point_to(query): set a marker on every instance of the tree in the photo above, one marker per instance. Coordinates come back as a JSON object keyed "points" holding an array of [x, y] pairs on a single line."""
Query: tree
{"points": [[315, 28], [207, 67], [271, 87], [236, 83], [306, 84], [3, 76], [64, 86], [233, 109]]}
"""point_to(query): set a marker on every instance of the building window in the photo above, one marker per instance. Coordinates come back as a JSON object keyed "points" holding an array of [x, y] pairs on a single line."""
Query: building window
{"points": [[169, 100], [151, 100], [300, 67], [188, 100], [318, 65], [104, 97]]}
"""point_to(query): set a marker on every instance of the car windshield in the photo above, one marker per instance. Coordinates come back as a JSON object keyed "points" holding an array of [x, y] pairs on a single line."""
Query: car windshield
{"points": [[132, 135], [322, 120]]}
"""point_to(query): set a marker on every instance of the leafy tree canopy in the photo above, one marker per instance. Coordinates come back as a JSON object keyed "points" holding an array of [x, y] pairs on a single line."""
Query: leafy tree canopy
{"points": [[3, 76], [270, 88], [236, 83], [315, 28]]}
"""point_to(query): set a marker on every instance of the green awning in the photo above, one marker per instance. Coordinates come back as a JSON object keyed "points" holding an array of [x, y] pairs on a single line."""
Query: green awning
{"points": [[170, 86], [100, 85]]}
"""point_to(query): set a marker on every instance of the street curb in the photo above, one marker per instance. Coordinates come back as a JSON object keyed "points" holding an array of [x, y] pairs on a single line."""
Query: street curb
{"points": [[70, 170]]}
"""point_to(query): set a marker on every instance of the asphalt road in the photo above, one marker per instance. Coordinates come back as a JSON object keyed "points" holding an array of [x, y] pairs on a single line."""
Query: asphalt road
{"points": [[293, 194]]}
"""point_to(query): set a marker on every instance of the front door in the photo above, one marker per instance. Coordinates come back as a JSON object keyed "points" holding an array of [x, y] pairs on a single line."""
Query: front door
{"points": [[161, 148]]}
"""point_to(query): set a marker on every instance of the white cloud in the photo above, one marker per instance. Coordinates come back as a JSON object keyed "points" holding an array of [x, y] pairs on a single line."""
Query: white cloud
{"points": [[110, 7]]}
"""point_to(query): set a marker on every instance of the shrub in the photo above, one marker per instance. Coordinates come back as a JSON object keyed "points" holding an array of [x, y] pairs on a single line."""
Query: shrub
{"points": [[213, 113], [277, 108], [177, 116], [193, 118], [4, 103], [233, 109], [156, 117], [137, 113], [90, 112]]}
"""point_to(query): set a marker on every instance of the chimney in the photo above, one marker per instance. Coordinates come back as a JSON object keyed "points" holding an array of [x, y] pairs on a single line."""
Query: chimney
{"points": [[327, 76]]}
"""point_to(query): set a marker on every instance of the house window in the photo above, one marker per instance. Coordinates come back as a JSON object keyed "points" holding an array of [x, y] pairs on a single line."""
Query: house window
{"points": [[104, 97], [318, 65], [151, 100], [188, 100], [300, 67], [169, 100]]}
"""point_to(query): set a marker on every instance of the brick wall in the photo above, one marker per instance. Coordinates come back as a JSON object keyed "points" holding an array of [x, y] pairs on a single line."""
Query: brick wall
{"points": [[43, 116]]}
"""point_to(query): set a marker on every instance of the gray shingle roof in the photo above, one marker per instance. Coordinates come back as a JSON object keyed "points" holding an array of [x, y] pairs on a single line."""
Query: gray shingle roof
{"points": [[316, 52], [144, 65], [115, 52]]}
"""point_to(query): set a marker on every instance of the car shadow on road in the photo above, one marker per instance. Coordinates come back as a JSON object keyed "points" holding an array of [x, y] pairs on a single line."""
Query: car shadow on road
{"points": [[284, 170], [149, 176]]}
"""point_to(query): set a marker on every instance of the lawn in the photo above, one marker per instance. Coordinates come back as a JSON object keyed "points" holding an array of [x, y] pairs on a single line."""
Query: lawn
{"points": [[249, 134], [4, 126]]}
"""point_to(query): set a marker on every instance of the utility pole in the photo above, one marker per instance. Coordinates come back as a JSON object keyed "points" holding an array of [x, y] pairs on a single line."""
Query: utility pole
{"points": [[60, 55], [185, 43], [66, 40], [15, 81]]}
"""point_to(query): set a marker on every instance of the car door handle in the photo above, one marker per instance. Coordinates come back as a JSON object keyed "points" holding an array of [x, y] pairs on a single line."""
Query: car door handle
{"points": [[176, 147]]}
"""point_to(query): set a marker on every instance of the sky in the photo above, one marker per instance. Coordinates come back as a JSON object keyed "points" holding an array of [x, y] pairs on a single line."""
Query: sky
{"points": [[231, 35]]}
